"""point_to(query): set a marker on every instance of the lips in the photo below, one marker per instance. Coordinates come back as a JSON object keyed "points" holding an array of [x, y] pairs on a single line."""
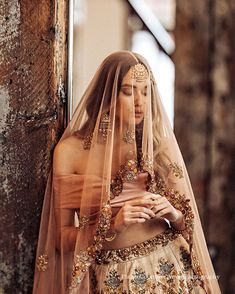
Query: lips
{"points": [[138, 113]]}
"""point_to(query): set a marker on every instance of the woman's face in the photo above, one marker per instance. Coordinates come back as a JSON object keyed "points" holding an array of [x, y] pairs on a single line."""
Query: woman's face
{"points": [[132, 97]]}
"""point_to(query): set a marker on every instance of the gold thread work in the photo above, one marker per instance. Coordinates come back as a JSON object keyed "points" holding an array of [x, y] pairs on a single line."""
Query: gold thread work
{"points": [[42, 262], [177, 170]]}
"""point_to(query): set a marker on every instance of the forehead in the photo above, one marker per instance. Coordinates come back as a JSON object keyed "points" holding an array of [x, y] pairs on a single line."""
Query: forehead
{"points": [[129, 79]]}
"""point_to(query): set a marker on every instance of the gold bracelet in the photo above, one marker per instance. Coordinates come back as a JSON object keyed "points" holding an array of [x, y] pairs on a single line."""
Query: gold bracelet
{"points": [[112, 237], [178, 231]]}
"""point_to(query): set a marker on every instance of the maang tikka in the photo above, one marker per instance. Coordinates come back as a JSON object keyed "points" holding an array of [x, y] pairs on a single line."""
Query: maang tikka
{"points": [[104, 125], [139, 72]]}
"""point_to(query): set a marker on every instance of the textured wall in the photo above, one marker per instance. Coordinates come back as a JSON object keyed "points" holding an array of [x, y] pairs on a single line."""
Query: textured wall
{"points": [[32, 61], [205, 120]]}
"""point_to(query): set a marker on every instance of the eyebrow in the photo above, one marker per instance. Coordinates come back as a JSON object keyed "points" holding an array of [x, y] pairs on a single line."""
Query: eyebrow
{"points": [[129, 85]]}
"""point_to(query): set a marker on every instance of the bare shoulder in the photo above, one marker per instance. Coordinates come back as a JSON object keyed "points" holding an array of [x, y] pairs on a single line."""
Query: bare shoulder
{"points": [[67, 155]]}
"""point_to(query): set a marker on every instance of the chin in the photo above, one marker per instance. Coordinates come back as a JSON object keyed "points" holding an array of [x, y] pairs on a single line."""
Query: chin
{"points": [[138, 120]]}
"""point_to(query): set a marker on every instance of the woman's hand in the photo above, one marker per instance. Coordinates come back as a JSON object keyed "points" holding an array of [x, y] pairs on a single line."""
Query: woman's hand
{"points": [[163, 208], [133, 212]]}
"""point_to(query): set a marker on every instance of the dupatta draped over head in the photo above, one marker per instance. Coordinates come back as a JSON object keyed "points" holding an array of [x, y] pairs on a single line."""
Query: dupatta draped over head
{"points": [[116, 138]]}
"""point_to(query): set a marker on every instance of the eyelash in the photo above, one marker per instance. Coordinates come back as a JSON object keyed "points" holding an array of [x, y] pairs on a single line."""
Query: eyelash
{"points": [[130, 93]]}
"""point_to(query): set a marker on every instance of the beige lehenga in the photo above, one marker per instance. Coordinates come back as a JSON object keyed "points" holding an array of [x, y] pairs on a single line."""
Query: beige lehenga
{"points": [[124, 151]]}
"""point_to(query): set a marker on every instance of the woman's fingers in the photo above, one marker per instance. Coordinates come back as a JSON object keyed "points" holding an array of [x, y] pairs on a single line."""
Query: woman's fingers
{"points": [[136, 221], [139, 215], [145, 200], [142, 209], [161, 207]]}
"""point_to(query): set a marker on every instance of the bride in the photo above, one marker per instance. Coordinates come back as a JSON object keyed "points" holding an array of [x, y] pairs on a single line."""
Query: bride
{"points": [[119, 212]]}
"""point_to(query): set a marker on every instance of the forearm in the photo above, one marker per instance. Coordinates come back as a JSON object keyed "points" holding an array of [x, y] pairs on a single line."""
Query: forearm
{"points": [[179, 223], [66, 240]]}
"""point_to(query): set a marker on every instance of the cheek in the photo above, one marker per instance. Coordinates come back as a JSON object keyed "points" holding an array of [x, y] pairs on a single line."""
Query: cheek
{"points": [[125, 103]]}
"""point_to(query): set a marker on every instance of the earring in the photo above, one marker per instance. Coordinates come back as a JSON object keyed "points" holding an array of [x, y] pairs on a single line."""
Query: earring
{"points": [[129, 137], [104, 125], [87, 142]]}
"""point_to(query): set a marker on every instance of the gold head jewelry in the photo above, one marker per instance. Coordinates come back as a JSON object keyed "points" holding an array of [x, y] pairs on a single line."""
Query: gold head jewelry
{"points": [[139, 72]]}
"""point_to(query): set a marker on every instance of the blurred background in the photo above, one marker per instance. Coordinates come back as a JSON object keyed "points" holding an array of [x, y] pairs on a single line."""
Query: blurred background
{"points": [[49, 51]]}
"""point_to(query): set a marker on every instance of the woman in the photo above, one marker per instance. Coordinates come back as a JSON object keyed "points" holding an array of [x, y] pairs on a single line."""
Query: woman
{"points": [[119, 213]]}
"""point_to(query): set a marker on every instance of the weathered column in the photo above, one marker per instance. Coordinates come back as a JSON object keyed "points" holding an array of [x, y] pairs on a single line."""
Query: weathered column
{"points": [[205, 120], [32, 71]]}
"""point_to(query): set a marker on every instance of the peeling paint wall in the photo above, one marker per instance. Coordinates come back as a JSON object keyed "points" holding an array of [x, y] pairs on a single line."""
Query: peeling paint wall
{"points": [[205, 120], [33, 36]]}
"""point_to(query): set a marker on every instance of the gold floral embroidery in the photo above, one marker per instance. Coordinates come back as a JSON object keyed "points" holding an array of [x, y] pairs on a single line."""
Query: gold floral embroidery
{"points": [[185, 258], [83, 221], [172, 281], [129, 137], [167, 280], [177, 170], [84, 258], [128, 173], [42, 262], [113, 283], [141, 282], [180, 202], [165, 267], [137, 250]]}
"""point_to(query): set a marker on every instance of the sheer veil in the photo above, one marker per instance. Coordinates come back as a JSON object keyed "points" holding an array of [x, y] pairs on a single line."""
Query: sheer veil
{"points": [[110, 148]]}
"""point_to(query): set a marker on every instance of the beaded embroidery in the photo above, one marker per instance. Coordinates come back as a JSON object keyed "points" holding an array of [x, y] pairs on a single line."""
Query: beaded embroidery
{"points": [[42, 262], [128, 173], [113, 283], [142, 282], [177, 170], [83, 221], [84, 259], [185, 258], [129, 137], [137, 250]]}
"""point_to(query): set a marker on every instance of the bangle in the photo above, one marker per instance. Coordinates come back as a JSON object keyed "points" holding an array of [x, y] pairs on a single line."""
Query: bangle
{"points": [[178, 231], [111, 237]]}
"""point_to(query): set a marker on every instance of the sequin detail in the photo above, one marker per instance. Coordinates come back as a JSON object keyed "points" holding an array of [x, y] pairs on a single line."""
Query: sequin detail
{"points": [[177, 170], [129, 171], [113, 283], [141, 282], [83, 221], [84, 258], [137, 250], [180, 202], [185, 258], [129, 137], [42, 262]]}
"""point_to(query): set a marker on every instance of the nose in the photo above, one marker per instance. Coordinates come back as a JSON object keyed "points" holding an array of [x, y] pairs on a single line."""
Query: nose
{"points": [[138, 98]]}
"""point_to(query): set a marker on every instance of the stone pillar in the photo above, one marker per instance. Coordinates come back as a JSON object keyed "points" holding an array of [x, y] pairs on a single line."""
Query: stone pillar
{"points": [[205, 120], [32, 74]]}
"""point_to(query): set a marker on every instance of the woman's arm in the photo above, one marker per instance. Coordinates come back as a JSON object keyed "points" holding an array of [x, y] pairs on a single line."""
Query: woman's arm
{"points": [[66, 233], [163, 208]]}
